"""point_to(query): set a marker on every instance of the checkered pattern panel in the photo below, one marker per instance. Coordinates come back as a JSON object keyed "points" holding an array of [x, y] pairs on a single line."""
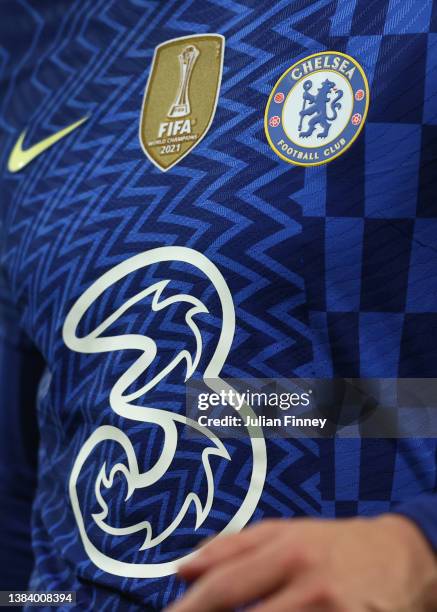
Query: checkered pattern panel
{"points": [[371, 254]]}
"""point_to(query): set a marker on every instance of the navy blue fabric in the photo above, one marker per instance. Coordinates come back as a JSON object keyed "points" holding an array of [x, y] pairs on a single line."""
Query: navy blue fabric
{"points": [[331, 268], [423, 511], [20, 369]]}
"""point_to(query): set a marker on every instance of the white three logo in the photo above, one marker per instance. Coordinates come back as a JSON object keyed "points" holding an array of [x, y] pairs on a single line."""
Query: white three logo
{"points": [[123, 403]]}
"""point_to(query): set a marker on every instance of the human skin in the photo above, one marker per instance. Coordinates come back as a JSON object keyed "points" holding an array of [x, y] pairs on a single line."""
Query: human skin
{"points": [[380, 564]]}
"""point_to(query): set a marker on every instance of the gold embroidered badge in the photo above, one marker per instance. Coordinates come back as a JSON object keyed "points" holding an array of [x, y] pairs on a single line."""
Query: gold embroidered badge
{"points": [[180, 97]]}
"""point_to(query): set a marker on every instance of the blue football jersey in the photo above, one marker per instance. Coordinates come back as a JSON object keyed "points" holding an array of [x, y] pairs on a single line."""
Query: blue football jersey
{"points": [[192, 188]]}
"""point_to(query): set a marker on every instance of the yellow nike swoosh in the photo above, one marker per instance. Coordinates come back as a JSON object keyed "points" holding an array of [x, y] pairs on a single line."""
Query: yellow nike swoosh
{"points": [[19, 157]]}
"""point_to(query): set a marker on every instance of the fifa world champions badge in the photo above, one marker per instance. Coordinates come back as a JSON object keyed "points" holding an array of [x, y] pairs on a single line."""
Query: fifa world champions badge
{"points": [[181, 97], [317, 109]]}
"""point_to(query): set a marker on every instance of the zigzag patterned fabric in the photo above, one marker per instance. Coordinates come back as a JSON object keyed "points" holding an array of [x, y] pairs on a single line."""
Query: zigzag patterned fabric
{"points": [[329, 271]]}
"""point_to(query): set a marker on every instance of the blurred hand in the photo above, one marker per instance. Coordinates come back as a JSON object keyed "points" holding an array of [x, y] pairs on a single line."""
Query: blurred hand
{"points": [[353, 565]]}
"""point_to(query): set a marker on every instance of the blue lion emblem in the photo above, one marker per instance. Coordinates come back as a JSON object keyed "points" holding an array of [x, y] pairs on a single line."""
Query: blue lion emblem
{"points": [[318, 107]]}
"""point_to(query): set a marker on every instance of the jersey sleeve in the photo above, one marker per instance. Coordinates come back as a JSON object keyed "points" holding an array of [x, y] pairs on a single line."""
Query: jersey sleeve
{"points": [[20, 369]]}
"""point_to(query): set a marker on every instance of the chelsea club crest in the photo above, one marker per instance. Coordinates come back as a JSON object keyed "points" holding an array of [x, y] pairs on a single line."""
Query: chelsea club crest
{"points": [[317, 109]]}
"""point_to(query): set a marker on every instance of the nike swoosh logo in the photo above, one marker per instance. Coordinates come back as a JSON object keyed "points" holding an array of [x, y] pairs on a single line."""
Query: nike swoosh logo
{"points": [[19, 157]]}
